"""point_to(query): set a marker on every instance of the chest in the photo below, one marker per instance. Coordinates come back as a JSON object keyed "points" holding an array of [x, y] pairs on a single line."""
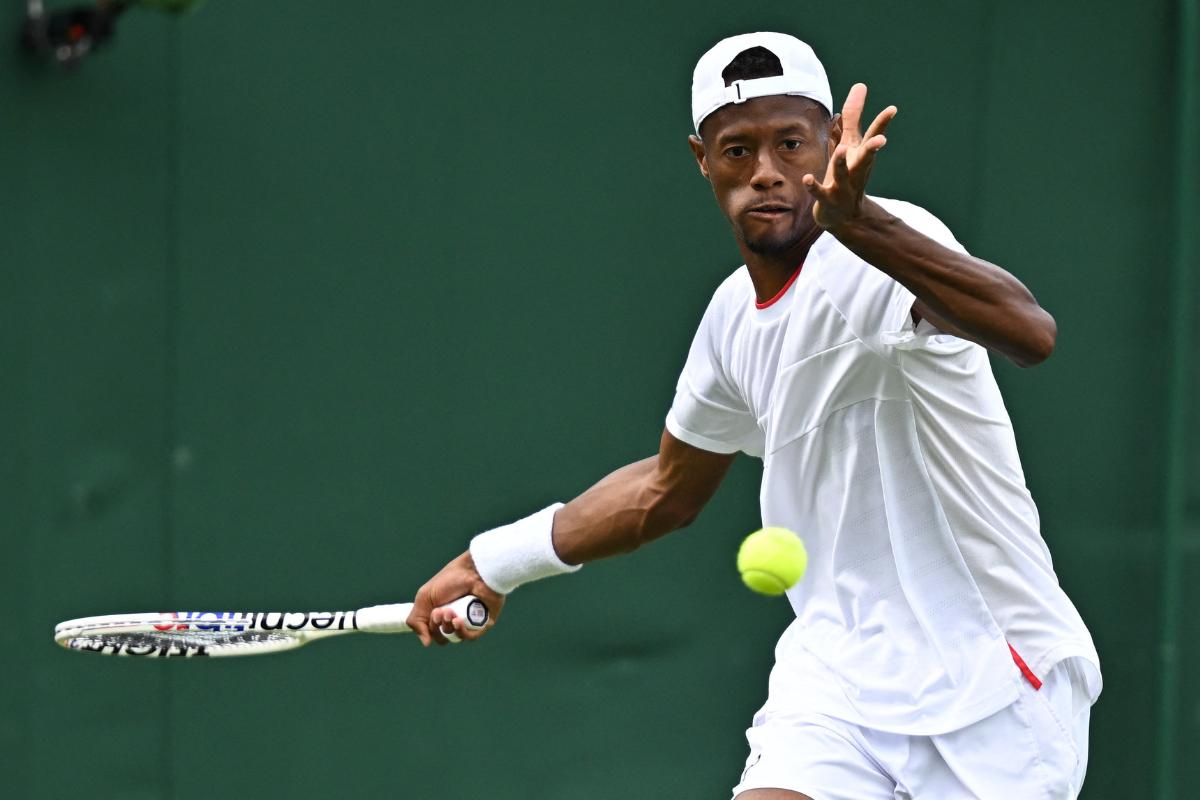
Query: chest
{"points": [[762, 346]]}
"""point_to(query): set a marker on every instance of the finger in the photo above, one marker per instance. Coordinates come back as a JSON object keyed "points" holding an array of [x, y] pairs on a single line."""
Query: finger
{"points": [[437, 621], [465, 631], [821, 193], [421, 630], [864, 158], [418, 622], [829, 180], [841, 170], [882, 120], [439, 617], [449, 624], [852, 113], [875, 143], [816, 188]]}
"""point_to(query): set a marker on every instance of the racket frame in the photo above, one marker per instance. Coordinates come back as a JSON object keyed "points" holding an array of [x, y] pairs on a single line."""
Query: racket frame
{"points": [[249, 633]]}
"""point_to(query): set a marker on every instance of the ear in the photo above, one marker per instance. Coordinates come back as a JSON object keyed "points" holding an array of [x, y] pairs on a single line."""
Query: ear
{"points": [[835, 135], [698, 151]]}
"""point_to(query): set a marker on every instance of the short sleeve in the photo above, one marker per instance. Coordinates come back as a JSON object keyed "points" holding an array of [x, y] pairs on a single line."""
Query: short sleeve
{"points": [[708, 412], [924, 222], [877, 307]]}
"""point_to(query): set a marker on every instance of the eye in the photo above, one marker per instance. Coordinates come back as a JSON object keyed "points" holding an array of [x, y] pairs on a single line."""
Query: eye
{"points": [[737, 151], [792, 144]]}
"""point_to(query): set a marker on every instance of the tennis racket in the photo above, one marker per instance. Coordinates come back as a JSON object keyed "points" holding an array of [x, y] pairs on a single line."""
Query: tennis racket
{"points": [[191, 634]]}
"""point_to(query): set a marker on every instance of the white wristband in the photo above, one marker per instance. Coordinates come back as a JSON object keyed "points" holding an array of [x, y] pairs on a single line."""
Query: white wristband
{"points": [[511, 555]]}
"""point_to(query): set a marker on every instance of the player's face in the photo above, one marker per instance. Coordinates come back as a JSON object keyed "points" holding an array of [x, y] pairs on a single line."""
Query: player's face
{"points": [[755, 154]]}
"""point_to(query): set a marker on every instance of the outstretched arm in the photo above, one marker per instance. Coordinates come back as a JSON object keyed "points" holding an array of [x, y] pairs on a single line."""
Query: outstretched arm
{"points": [[634, 505], [959, 294], [639, 502]]}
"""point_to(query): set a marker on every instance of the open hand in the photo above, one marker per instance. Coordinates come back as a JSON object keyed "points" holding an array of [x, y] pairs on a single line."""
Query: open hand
{"points": [[840, 195]]}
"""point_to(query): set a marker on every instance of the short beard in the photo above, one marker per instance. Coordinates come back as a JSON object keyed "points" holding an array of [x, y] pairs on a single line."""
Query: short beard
{"points": [[773, 246]]}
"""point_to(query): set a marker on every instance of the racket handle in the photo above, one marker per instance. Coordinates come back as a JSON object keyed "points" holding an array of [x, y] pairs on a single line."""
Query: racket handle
{"points": [[392, 618]]}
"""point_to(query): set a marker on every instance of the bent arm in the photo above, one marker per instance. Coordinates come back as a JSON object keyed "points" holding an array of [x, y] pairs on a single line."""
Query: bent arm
{"points": [[639, 502], [957, 293], [633, 505]]}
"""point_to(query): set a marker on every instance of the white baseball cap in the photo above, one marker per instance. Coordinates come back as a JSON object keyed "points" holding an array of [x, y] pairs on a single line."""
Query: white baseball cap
{"points": [[802, 75]]}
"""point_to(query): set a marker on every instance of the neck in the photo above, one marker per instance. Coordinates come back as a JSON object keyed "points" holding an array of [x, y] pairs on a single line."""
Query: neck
{"points": [[770, 271]]}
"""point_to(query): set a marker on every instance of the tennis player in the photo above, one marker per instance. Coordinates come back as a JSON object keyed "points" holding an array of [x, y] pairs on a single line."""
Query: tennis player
{"points": [[933, 654]]}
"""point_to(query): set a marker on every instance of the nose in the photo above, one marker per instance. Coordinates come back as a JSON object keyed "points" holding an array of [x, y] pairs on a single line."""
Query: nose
{"points": [[767, 173]]}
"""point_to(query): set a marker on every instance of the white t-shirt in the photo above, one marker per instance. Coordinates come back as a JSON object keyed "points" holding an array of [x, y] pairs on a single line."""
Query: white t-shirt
{"points": [[890, 452]]}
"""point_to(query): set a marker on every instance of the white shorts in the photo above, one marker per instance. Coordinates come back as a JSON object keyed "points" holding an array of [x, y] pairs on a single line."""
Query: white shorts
{"points": [[1034, 748]]}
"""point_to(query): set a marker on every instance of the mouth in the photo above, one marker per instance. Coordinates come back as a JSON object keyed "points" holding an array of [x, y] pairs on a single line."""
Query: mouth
{"points": [[769, 210]]}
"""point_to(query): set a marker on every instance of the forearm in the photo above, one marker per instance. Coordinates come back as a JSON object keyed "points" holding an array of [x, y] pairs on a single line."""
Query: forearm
{"points": [[958, 293], [626, 509]]}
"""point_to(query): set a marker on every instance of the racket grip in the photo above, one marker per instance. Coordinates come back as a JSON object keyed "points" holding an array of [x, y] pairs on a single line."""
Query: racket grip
{"points": [[392, 618], [472, 611]]}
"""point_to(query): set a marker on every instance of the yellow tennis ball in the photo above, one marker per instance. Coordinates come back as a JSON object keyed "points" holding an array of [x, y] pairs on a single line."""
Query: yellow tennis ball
{"points": [[772, 560]]}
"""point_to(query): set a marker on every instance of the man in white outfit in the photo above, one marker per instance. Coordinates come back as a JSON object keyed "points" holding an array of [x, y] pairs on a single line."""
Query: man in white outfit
{"points": [[933, 654]]}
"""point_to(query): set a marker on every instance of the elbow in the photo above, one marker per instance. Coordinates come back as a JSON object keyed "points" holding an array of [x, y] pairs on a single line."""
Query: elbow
{"points": [[673, 514], [668, 513], [652, 518], [685, 516], [1042, 339]]}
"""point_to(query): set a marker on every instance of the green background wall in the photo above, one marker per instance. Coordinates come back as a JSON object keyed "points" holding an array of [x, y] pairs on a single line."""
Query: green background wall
{"points": [[295, 297]]}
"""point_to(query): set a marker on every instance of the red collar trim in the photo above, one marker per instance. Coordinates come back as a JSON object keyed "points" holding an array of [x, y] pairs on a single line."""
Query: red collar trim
{"points": [[781, 292]]}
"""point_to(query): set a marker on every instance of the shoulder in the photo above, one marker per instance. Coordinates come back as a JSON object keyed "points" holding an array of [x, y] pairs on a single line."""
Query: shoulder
{"points": [[840, 271], [871, 301], [920, 220], [735, 288], [731, 297], [902, 208]]}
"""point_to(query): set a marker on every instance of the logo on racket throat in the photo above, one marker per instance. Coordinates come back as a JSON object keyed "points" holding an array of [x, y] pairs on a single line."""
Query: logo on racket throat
{"points": [[237, 621]]}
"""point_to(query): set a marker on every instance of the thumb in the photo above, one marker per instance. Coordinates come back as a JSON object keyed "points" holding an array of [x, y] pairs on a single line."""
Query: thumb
{"points": [[418, 622]]}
